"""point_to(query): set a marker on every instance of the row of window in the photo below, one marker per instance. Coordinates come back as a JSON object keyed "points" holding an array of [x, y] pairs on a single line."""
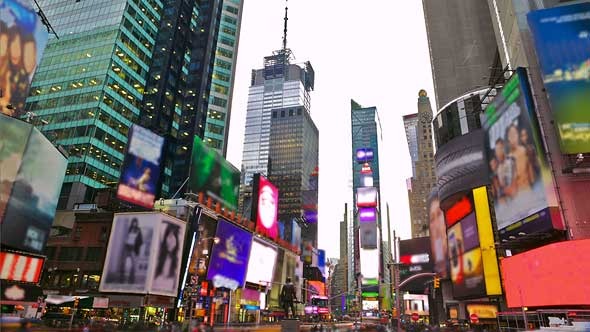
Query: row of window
{"points": [[68, 86], [69, 254]]}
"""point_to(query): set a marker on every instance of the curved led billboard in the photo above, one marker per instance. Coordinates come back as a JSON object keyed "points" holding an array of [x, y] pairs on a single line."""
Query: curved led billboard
{"points": [[266, 207], [553, 275], [562, 41]]}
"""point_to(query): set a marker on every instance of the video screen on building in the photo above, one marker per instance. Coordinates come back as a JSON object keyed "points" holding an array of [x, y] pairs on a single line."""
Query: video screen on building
{"points": [[266, 207], [369, 263], [261, 264], [19, 267], [369, 236], [229, 257], [563, 48], [22, 41], [367, 215], [32, 171], [213, 175], [141, 167], [364, 155], [366, 197], [520, 178], [438, 235]]}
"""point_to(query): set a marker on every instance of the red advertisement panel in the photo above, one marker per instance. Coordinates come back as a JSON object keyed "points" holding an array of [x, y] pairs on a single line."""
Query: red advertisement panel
{"points": [[553, 275]]}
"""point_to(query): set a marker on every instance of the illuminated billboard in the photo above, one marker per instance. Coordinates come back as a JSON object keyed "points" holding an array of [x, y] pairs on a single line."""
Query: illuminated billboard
{"points": [[560, 270], [416, 303], [563, 48], [32, 171], [261, 264], [265, 206], [144, 254], [364, 155], [369, 263], [229, 257], [19, 267], [141, 167], [520, 178], [367, 215], [368, 235], [213, 175], [438, 235], [366, 197], [22, 41], [415, 257], [295, 234]]}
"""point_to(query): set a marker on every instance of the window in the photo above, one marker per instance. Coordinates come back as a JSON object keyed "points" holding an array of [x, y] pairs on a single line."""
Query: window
{"points": [[69, 253], [232, 9], [93, 254], [50, 252]]}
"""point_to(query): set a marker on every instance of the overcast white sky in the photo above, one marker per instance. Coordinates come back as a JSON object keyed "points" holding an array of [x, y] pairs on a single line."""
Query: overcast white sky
{"points": [[375, 52]]}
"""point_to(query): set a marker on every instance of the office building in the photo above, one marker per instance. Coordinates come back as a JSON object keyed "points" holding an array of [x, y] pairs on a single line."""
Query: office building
{"points": [[419, 135], [90, 84], [461, 54], [293, 161], [190, 81]]}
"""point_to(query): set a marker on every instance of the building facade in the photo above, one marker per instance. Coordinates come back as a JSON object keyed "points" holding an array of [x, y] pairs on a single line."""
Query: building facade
{"points": [[419, 135], [461, 54]]}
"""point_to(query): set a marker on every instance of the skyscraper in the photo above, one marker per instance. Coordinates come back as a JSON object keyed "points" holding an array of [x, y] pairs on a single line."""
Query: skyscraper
{"points": [[462, 46], [89, 86], [190, 83], [419, 135]]}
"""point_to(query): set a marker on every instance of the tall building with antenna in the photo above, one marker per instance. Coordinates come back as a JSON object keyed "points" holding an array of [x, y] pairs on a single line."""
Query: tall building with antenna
{"points": [[280, 84]]}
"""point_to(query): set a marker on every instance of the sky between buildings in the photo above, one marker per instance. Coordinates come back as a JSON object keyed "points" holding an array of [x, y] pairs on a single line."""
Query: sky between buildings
{"points": [[375, 53]]}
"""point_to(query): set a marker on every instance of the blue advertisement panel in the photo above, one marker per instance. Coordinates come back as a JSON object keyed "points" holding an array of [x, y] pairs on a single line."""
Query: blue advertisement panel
{"points": [[141, 168], [22, 41], [519, 174], [562, 40], [229, 257], [32, 201]]}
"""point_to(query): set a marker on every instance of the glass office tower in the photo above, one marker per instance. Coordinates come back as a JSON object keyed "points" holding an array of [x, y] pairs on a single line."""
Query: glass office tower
{"points": [[89, 86]]}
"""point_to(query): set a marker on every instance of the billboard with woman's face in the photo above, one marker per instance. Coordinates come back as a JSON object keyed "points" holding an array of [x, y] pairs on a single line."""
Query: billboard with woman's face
{"points": [[266, 207], [438, 235], [22, 40]]}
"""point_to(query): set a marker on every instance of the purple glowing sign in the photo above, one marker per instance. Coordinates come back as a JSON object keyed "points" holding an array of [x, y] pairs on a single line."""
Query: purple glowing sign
{"points": [[364, 155], [367, 214]]}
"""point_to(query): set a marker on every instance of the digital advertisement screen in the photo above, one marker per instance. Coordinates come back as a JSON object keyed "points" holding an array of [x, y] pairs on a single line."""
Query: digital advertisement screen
{"points": [[167, 257], [368, 215], [560, 269], [469, 232], [366, 179], [366, 197], [520, 178], [467, 272], [22, 40], [19, 267], [438, 235], [28, 198], [416, 303], [461, 164], [364, 155], [229, 257], [266, 207], [483, 311], [213, 175], [369, 263], [141, 168], [315, 287], [563, 48], [261, 264], [368, 235], [416, 258], [296, 234]]}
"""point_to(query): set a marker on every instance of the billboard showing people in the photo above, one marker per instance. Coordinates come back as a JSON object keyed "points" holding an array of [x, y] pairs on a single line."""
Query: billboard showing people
{"points": [[32, 172], [141, 168], [22, 41], [520, 179], [438, 235], [144, 254], [213, 175], [266, 207], [562, 41], [229, 257]]}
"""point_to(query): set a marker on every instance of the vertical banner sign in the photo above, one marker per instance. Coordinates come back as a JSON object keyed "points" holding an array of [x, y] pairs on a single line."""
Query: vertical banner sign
{"points": [[141, 168]]}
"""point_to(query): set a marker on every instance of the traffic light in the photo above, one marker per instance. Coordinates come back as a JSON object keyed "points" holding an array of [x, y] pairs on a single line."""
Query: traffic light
{"points": [[436, 282], [76, 302]]}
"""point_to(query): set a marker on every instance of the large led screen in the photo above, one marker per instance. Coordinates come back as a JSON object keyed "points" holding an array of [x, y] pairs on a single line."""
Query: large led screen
{"points": [[266, 207], [18, 267], [261, 264], [415, 257], [22, 41], [213, 175], [438, 235], [563, 48], [466, 272], [141, 167], [364, 155], [229, 257], [315, 287], [369, 263], [368, 215], [369, 236], [366, 197], [29, 196], [295, 234], [520, 179], [167, 257], [560, 270]]}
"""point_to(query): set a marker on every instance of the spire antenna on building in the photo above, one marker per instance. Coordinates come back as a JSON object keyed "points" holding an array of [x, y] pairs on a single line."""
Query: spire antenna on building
{"points": [[285, 28]]}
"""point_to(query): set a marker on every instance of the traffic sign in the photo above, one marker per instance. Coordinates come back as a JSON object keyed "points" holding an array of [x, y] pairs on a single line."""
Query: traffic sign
{"points": [[474, 319], [415, 316]]}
